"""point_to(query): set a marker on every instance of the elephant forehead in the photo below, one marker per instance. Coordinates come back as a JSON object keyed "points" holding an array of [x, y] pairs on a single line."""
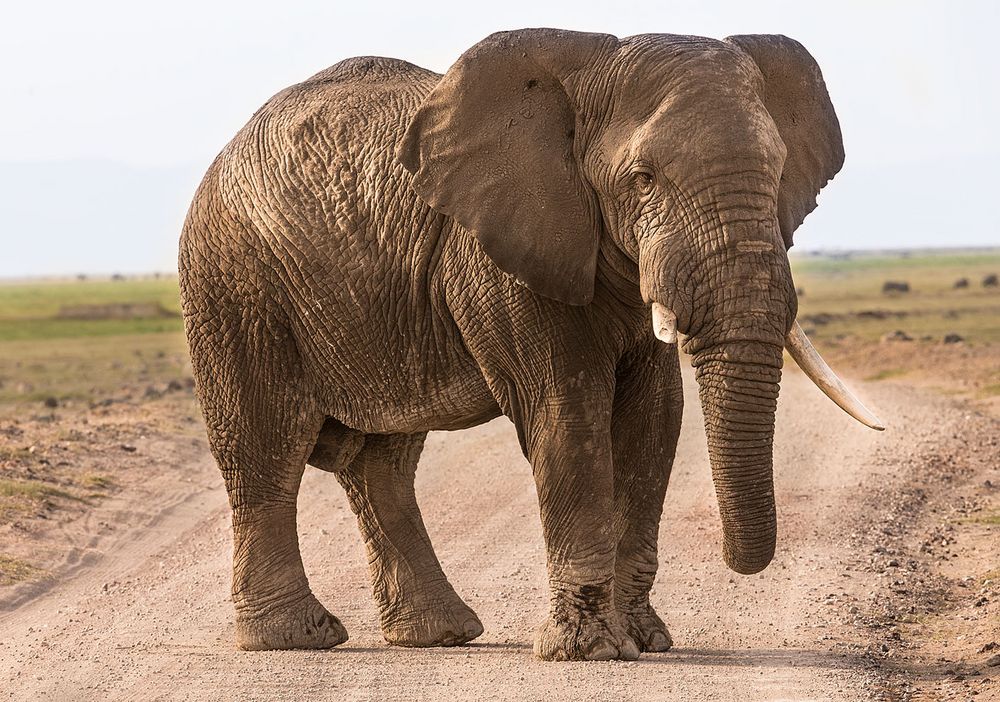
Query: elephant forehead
{"points": [[712, 124], [701, 97], [650, 67]]}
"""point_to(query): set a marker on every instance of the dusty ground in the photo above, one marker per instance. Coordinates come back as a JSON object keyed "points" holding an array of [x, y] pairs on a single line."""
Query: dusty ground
{"points": [[884, 586]]}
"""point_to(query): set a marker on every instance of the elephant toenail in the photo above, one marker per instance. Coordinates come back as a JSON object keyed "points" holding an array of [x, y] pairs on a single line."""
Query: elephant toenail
{"points": [[658, 641], [629, 650], [472, 628], [602, 650]]}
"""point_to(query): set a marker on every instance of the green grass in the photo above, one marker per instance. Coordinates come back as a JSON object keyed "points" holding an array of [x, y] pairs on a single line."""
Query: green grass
{"points": [[988, 519], [887, 373], [45, 329], [898, 260], [43, 355], [97, 482], [42, 299], [991, 390], [31, 310], [89, 367]]}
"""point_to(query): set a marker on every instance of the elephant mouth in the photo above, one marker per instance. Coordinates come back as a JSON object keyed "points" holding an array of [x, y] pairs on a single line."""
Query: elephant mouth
{"points": [[802, 351]]}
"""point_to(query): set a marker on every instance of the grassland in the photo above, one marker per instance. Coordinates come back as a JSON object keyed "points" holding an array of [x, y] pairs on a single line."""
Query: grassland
{"points": [[843, 295], [43, 355], [43, 299], [31, 311]]}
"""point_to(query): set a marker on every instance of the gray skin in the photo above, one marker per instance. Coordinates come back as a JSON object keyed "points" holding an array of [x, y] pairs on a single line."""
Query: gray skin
{"points": [[383, 251]]}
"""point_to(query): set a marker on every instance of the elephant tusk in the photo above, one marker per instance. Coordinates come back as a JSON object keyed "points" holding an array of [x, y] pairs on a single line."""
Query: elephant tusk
{"points": [[813, 365], [664, 324]]}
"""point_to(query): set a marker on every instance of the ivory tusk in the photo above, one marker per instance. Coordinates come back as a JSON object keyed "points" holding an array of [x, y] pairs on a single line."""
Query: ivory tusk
{"points": [[664, 324], [813, 365]]}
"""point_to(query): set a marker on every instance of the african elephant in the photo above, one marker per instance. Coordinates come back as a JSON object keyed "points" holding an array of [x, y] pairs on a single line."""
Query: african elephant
{"points": [[383, 251]]}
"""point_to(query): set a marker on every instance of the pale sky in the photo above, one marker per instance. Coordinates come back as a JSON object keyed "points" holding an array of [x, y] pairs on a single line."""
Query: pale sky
{"points": [[112, 110]]}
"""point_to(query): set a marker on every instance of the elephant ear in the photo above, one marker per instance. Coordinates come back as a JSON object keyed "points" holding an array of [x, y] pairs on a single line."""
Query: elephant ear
{"points": [[492, 146], [796, 97]]}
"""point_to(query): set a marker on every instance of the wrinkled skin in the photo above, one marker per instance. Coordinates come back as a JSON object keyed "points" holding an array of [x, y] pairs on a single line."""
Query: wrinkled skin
{"points": [[382, 252]]}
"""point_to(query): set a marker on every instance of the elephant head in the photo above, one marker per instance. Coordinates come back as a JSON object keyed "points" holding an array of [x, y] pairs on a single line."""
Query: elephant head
{"points": [[698, 159]]}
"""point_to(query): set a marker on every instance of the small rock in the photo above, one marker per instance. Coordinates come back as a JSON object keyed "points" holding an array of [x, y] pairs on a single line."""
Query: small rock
{"points": [[898, 335], [953, 338], [128, 448], [51, 402], [993, 661]]}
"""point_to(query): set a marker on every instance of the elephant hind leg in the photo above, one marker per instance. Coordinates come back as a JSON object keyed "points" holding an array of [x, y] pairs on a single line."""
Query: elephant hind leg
{"points": [[262, 460], [418, 605], [261, 428]]}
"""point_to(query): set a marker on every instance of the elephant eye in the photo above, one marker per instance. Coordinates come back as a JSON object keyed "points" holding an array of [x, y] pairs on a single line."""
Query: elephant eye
{"points": [[643, 181]]}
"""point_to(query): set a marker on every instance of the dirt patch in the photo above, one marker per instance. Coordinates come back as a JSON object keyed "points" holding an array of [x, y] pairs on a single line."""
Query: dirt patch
{"points": [[967, 371], [930, 619], [58, 465]]}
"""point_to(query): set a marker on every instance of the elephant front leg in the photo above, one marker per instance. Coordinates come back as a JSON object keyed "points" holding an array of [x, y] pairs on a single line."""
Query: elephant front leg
{"points": [[646, 422], [570, 452]]}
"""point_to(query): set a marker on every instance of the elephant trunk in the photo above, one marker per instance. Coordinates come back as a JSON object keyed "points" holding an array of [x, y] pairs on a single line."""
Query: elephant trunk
{"points": [[739, 394]]}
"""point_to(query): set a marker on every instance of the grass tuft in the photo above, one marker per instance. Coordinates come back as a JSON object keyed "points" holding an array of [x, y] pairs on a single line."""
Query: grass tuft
{"points": [[13, 570], [32, 489]]}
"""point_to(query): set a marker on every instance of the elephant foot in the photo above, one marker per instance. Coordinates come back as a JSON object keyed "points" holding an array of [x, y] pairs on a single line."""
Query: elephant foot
{"points": [[303, 624], [648, 630], [584, 639], [452, 623]]}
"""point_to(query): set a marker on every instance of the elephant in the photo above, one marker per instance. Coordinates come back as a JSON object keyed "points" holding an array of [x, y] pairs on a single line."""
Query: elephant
{"points": [[384, 251]]}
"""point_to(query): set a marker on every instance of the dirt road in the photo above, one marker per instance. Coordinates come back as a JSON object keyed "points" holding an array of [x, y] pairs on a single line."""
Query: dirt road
{"points": [[145, 611]]}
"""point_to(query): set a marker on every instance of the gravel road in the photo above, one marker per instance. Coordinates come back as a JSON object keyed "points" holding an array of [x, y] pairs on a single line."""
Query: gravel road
{"points": [[142, 610]]}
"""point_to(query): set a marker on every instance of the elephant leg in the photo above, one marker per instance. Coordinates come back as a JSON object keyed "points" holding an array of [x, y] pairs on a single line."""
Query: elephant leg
{"points": [[568, 442], [645, 425], [418, 605], [261, 444], [262, 423]]}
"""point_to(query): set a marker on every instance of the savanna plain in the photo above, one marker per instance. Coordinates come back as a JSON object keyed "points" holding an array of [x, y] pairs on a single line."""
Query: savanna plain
{"points": [[115, 541]]}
